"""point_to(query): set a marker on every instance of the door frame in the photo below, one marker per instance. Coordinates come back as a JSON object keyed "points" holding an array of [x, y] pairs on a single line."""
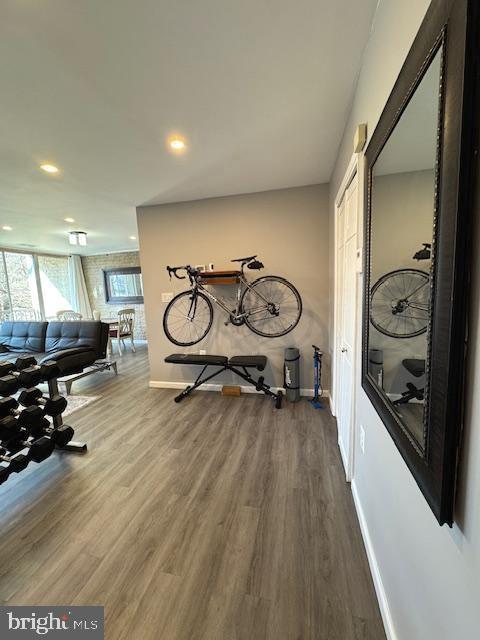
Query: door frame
{"points": [[354, 169]]}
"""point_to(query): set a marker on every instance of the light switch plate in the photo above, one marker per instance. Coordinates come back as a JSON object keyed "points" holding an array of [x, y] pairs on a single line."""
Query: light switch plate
{"points": [[166, 297]]}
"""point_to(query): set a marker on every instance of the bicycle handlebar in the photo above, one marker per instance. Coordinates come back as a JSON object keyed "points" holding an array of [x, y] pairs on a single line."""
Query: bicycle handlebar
{"points": [[191, 272]]}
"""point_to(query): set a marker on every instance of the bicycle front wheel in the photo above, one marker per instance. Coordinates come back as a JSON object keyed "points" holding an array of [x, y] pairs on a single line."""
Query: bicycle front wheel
{"points": [[272, 307], [188, 318]]}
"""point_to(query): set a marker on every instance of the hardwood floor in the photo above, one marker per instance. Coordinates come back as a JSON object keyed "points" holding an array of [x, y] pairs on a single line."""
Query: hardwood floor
{"points": [[216, 519]]}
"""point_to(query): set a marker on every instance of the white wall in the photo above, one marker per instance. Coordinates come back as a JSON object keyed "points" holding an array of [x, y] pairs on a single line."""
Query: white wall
{"points": [[430, 574]]}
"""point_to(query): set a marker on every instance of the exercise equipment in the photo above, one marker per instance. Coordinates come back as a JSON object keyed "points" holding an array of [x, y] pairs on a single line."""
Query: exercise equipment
{"points": [[317, 378], [17, 462], [8, 427], [416, 367], [291, 374], [11, 383], [25, 417], [26, 434], [239, 365], [53, 406], [38, 449], [25, 373], [375, 365], [11, 464], [61, 435]]}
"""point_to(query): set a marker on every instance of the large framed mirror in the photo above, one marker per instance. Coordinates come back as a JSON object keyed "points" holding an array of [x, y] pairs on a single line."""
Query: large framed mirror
{"points": [[123, 285], [419, 196]]}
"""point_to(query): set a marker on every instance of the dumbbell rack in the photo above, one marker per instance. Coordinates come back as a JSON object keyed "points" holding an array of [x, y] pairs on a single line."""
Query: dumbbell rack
{"points": [[76, 447], [25, 433]]}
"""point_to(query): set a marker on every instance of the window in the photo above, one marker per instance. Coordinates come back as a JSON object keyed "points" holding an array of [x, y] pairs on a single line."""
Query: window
{"points": [[33, 287], [22, 286], [54, 283]]}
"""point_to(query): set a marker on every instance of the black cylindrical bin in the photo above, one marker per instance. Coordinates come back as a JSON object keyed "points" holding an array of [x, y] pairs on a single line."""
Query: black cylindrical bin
{"points": [[291, 371], [375, 365]]}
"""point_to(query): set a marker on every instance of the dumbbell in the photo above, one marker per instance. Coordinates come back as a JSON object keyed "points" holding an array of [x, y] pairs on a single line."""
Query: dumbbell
{"points": [[18, 462], [39, 449], [53, 406], [48, 370], [11, 383], [26, 417], [60, 435], [11, 464], [12, 380], [9, 427]]}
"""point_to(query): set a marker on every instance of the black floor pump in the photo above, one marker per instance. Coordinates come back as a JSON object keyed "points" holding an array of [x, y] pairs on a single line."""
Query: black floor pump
{"points": [[317, 377]]}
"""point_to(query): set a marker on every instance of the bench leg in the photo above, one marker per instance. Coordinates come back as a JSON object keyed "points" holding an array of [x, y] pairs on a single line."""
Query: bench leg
{"points": [[198, 382], [259, 385]]}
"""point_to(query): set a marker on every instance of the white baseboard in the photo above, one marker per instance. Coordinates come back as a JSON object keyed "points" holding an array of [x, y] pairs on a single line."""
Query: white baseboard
{"points": [[374, 568], [167, 384]]}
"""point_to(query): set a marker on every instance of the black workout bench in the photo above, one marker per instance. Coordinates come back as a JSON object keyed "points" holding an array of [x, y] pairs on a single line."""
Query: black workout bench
{"points": [[238, 364]]}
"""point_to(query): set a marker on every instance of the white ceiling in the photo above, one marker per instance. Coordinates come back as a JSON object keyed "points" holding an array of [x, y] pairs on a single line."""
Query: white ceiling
{"points": [[260, 88]]}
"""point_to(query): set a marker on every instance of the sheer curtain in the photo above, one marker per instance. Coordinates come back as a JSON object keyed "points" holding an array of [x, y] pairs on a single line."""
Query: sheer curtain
{"points": [[78, 287]]}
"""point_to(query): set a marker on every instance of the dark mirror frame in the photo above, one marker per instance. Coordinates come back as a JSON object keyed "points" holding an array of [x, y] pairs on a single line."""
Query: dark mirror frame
{"points": [[109, 299], [455, 25]]}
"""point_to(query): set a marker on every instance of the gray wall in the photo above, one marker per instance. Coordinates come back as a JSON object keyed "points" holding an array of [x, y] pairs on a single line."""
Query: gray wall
{"points": [[402, 220], [93, 269], [430, 574], [287, 228]]}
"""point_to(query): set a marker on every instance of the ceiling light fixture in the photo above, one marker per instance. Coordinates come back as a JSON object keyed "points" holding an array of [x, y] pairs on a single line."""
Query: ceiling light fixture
{"points": [[177, 143], [132, 237], [6, 227], [77, 237], [49, 168], [69, 219]]}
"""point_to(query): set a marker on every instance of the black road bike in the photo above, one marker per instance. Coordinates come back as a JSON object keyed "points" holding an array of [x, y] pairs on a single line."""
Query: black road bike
{"points": [[269, 306]]}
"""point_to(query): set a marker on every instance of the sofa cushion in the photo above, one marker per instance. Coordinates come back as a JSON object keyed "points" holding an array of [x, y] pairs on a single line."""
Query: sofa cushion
{"points": [[67, 335], [23, 337]]}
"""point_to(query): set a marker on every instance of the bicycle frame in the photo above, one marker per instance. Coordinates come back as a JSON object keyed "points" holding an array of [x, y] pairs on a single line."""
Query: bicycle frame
{"points": [[235, 313]]}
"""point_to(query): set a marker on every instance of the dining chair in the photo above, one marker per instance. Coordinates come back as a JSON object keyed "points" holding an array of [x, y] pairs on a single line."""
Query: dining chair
{"points": [[67, 315], [124, 329]]}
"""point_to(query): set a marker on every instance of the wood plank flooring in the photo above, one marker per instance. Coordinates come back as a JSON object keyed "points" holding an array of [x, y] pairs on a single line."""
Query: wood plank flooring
{"points": [[216, 519]]}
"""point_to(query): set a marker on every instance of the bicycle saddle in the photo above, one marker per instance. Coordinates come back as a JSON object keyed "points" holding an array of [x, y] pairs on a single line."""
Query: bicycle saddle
{"points": [[243, 260]]}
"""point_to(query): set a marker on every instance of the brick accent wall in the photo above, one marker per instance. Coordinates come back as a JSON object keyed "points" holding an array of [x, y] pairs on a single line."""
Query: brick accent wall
{"points": [[93, 269]]}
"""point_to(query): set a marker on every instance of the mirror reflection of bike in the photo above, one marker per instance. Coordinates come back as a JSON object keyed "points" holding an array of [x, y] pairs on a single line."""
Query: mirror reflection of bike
{"points": [[400, 300], [269, 306]]}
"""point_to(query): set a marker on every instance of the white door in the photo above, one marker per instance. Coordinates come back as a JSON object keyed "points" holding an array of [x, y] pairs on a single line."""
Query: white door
{"points": [[347, 307]]}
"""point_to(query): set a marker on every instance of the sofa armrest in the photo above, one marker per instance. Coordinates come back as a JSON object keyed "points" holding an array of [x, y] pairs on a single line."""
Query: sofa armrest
{"points": [[73, 360]]}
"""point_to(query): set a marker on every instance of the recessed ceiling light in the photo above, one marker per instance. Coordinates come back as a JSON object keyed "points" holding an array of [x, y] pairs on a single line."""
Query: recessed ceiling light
{"points": [[177, 143], [132, 237], [49, 168], [69, 219], [6, 227]]}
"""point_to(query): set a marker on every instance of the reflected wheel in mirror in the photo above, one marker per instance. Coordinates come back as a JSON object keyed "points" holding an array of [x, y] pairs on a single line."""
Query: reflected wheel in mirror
{"points": [[400, 305]]}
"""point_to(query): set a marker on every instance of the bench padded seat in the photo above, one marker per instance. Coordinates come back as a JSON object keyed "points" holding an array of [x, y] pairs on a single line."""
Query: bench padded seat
{"points": [[259, 362], [193, 358], [415, 366]]}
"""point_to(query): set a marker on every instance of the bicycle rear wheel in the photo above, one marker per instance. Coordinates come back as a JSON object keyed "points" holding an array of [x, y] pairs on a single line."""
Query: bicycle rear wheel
{"points": [[400, 303], [272, 307], [188, 318]]}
